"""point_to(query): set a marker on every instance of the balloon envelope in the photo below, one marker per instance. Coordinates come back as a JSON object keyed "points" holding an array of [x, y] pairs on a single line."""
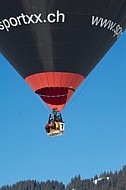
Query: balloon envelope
{"points": [[55, 44]]}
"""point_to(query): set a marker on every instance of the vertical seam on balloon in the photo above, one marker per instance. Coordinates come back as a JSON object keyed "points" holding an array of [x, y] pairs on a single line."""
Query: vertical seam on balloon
{"points": [[36, 81], [53, 100], [61, 75], [76, 79], [68, 87], [47, 82], [54, 84], [68, 75], [60, 82], [43, 85], [60, 87]]}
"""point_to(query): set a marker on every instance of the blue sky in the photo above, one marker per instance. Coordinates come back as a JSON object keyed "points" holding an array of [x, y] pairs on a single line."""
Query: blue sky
{"points": [[95, 137]]}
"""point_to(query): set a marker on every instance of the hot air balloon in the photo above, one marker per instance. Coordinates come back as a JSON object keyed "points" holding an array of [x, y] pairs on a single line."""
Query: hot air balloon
{"points": [[55, 44]]}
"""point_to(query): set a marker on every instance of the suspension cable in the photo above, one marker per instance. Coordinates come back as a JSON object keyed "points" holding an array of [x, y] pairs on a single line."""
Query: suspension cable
{"points": [[47, 109], [85, 84]]}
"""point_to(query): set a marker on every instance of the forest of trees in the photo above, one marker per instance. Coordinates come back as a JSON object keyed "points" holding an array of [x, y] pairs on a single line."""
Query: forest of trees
{"points": [[106, 181]]}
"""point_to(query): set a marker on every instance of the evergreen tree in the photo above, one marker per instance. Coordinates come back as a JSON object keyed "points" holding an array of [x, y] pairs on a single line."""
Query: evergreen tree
{"points": [[106, 181]]}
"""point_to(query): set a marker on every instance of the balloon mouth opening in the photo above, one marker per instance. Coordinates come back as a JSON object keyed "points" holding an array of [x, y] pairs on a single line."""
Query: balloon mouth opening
{"points": [[53, 95], [55, 88]]}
